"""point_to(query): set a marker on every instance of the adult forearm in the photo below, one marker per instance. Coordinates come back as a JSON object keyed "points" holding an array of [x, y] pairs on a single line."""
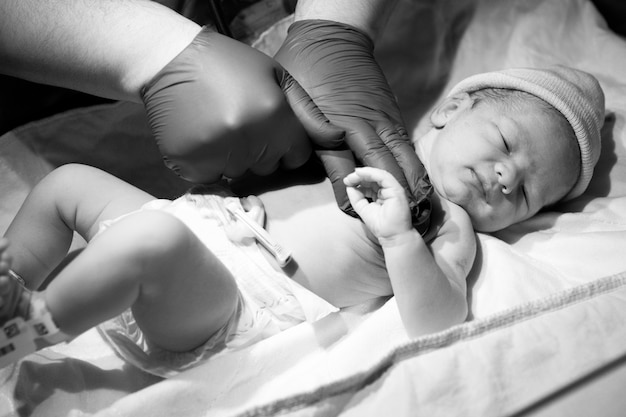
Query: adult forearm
{"points": [[368, 15], [108, 48]]}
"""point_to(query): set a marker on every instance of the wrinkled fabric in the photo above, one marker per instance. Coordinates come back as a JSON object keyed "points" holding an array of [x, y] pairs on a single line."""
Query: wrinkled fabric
{"points": [[268, 301]]}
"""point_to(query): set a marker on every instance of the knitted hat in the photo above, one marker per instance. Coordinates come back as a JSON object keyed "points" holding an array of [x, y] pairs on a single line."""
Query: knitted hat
{"points": [[576, 94]]}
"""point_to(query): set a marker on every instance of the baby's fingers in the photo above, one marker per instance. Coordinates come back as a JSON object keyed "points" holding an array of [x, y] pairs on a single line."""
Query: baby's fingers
{"points": [[357, 199], [368, 176]]}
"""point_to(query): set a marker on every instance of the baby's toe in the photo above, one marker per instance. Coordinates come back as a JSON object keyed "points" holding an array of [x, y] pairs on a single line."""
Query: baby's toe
{"points": [[4, 266], [4, 256]]}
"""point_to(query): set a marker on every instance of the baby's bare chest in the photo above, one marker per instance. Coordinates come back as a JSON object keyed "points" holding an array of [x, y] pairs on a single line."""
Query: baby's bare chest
{"points": [[332, 252]]}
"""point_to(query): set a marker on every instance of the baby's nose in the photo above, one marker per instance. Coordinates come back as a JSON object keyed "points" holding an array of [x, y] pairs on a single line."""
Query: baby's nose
{"points": [[507, 175]]}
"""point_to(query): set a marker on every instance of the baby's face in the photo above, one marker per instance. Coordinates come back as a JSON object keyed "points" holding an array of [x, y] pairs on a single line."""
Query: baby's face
{"points": [[502, 167]]}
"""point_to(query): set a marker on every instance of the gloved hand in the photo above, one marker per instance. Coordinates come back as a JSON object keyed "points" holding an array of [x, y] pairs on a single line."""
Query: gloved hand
{"points": [[335, 64], [222, 108]]}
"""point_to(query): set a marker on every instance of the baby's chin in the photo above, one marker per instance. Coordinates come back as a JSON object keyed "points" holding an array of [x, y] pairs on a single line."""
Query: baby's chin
{"points": [[485, 220], [463, 199], [480, 213], [453, 192]]}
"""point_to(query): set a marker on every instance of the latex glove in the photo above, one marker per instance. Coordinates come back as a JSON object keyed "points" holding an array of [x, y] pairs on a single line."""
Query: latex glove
{"points": [[335, 64], [222, 108]]}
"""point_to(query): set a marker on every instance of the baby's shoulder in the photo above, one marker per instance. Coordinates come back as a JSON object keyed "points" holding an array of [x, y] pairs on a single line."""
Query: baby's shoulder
{"points": [[454, 237], [449, 219]]}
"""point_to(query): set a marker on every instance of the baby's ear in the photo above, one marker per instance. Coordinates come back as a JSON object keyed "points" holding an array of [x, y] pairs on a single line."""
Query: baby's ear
{"points": [[448, 107]]}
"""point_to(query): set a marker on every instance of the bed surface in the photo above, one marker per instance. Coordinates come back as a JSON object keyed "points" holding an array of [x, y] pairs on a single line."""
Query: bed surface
{"points": [[547, 296]]}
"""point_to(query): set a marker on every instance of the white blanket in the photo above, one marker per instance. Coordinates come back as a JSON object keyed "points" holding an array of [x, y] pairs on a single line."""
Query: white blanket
{"points": [[547, 297]]}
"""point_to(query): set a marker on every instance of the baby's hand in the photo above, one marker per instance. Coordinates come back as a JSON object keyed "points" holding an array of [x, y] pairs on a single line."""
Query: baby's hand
{"points": [[380, 201]]}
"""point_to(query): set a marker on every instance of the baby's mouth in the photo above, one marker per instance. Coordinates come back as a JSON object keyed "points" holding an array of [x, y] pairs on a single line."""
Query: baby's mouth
{"points": [[482, 186]]}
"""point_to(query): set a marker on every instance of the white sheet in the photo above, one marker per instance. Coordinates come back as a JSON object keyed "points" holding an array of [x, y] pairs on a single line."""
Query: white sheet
{"points": [[547, 297], [504, 359]]}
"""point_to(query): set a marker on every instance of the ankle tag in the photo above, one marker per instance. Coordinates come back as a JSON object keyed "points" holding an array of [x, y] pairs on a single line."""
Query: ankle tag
{"points": [[41, 322], [19, 337], [16, 341]]}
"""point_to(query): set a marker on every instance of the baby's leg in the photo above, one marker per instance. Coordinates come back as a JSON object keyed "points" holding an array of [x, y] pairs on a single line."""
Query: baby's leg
{"points": [[179, 291], [72, 198]]}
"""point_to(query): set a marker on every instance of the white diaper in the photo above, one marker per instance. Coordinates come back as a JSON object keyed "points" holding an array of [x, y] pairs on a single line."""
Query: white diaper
{"points": [[268, 301]]}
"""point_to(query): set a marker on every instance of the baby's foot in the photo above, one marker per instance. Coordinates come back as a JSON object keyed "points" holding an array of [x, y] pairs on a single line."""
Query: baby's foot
{"points": [[14, 300], [26, 325]]}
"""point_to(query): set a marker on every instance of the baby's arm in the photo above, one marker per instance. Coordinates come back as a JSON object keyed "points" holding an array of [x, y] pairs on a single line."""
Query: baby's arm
{"points": [[71, 198], [429, 287]]}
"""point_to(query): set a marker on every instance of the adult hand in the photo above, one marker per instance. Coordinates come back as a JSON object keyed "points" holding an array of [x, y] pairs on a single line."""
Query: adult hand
{"points": [[222, 108], [335, 64]]}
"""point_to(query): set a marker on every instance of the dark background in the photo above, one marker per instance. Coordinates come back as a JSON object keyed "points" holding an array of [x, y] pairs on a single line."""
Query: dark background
{"points": [[22, 101]]}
